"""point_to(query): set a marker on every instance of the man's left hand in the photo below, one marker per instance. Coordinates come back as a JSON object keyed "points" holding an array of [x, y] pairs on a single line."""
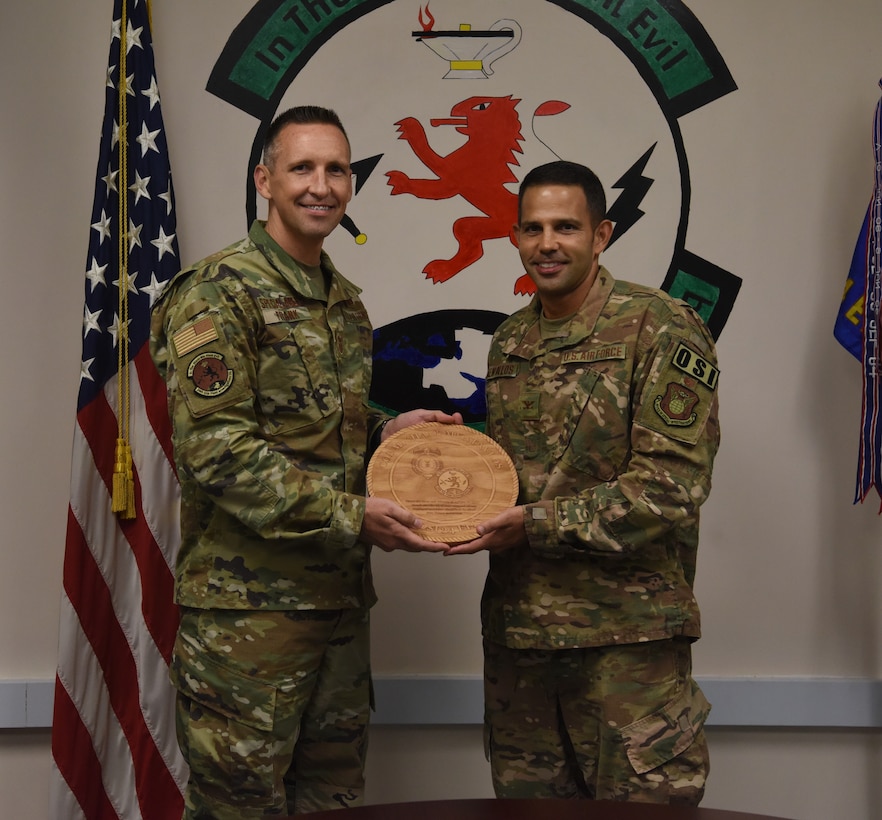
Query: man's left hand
{"points": [[503, 532]]}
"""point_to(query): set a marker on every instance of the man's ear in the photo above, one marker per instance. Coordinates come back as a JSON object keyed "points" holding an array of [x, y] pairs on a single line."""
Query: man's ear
{"points": [[515, 235], [602, 234], [261, 180]]}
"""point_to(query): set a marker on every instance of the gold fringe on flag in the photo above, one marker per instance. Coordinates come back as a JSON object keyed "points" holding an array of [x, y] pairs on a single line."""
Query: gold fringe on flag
{"points": [[123, 500]]}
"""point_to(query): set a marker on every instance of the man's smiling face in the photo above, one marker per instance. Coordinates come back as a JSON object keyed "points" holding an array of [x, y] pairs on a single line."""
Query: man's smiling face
{"points": [[307, 183], [559, 245]]}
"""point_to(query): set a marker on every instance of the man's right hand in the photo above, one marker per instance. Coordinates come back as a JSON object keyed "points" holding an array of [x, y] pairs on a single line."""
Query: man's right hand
{"points": [[391, 527]]}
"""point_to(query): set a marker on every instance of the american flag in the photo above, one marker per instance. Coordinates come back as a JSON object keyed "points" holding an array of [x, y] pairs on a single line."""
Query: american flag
{"points": [[113, 739]]}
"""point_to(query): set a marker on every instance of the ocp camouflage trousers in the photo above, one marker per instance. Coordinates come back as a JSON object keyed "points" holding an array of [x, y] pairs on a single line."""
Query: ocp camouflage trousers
{"points": [[608, 723], [272, 710]]}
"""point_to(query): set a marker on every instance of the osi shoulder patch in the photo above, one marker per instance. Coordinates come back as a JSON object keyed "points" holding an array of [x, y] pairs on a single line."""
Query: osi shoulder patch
{"points": [[683, 396]]}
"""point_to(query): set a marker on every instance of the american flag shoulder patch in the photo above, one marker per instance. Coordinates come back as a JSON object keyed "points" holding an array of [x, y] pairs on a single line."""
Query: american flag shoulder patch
{"points": [[188, 338]]}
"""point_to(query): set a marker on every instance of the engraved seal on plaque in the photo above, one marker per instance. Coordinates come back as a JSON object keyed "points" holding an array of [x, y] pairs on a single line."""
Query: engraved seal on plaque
{"points": [[451, 476]]}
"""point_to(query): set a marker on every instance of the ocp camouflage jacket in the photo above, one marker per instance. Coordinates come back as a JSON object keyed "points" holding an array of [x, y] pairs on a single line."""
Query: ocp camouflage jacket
{"points": [[268, 372], [611, 420]]}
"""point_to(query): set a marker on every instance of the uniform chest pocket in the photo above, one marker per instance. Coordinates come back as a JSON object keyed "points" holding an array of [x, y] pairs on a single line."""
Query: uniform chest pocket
{"points": [[297, 377], [544, 418], [594, 424]]}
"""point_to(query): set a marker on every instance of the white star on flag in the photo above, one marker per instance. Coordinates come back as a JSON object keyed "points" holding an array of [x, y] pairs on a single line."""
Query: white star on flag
{"points": [[147, 139], [152, 93], [95, 274], [154, 289], [139, 186], [102, 226], [109, 179], [134, 234], [90, 321], [163, 243]]}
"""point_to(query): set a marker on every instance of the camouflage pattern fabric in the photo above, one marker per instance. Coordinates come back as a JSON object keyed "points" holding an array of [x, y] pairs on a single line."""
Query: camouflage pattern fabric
{"points": [[268, 369], [272, 710], [607, 723], [610, 417], [268, 372], [611, 420]]}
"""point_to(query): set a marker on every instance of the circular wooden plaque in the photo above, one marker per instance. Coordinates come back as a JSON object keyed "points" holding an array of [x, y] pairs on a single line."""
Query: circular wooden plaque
{"points": [[451, 476]]}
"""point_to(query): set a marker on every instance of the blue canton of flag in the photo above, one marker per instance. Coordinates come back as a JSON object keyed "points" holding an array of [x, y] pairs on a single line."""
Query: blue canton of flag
{"points": [[153, 256], [857, 326], [113, 739]]}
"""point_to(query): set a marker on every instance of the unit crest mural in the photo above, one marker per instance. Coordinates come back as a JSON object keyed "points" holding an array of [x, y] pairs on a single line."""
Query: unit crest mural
{"points": [[447, 104]]}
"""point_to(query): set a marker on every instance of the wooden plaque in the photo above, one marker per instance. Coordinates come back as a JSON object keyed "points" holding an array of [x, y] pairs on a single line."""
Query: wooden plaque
{"points": [[451, 476]]}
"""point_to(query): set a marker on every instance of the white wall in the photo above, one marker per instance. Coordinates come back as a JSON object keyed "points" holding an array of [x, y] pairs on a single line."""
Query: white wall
{"points": [[789, 569]]}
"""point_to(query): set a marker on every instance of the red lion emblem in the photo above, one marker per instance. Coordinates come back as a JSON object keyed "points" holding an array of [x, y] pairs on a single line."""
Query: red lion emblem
{"points": [[477, 171]]}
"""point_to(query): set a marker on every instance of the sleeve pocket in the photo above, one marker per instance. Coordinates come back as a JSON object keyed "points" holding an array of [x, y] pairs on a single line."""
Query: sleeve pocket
{"points": [[654, 740]]}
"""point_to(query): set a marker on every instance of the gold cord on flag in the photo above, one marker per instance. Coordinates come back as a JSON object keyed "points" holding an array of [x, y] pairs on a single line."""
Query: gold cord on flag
{"points": [[123, 496]]}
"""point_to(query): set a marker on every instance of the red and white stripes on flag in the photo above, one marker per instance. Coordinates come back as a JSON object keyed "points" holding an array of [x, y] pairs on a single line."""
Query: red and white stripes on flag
{"points": [[113, 737]]}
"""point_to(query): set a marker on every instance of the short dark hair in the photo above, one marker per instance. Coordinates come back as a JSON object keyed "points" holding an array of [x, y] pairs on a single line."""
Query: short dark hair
{"points": [[564, 172], [299, 115]]}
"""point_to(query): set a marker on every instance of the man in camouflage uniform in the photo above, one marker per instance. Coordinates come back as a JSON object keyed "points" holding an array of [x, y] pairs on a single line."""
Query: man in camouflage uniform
{"points": [[266, 350], [604, 393]]}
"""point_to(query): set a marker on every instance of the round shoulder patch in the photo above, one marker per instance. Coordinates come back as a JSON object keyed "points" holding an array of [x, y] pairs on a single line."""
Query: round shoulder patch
{"points": [[210, 374]]}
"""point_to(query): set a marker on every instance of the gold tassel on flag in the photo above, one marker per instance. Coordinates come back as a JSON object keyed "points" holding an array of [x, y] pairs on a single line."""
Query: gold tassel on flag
{"points": [[123, 500]]}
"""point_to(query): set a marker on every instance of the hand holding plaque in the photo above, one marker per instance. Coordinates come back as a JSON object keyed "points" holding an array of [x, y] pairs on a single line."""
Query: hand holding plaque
{"points": [[451, 476]]}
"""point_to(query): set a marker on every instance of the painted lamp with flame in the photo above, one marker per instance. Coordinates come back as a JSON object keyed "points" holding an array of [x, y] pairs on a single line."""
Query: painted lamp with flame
{"points": [[470, 53]]}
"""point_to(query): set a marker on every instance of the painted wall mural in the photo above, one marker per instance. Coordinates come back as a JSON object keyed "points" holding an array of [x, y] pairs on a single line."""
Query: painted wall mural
{"points": [[448, 103]]}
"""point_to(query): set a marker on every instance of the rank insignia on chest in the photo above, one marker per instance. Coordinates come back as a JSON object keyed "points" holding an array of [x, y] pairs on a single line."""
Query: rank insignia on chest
{"points": [[528, 406]]}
